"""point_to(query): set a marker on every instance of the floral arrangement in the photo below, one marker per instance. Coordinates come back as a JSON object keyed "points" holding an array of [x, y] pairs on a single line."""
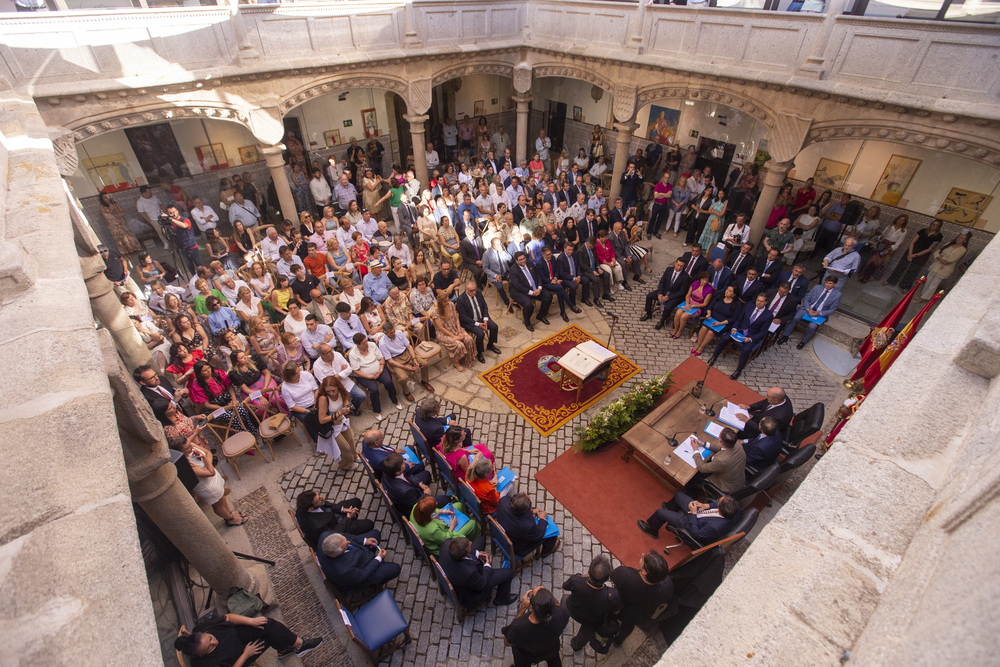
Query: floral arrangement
{"points": [[615, 419]]}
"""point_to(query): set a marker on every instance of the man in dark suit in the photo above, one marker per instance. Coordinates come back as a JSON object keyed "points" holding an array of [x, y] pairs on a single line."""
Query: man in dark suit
{"points": [[570, 273], [629, 264], [496, 263], [742, 261], [472, 574], [375, 451], [670, 292], [403, 491], [763, 450], [157, 395], [586, 259], [781, 303], [720, 276], [821, 301], [525, 527], [705, 522], [472, 255], [547, 275], [617, 214], [752, 323], [586, 227], [432, 426], [694, 262], [797, 282], [524, 289], [769, 269], [317, 515], [474, 317], [776, 405], [520, 209], [352, 563], [551, 196], [748, 287]]}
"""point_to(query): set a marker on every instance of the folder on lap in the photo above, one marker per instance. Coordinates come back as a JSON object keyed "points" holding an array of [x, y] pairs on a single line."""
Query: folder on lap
{"points": [[690, 310], [713, 324], [739, 338], [410, 456], [504, 478], [817, 320], [552, 530], [460, 518]]}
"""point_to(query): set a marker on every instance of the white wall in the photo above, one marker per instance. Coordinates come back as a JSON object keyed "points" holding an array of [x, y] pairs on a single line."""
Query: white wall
{"points": [[193, 133], [705, 118], [97, 147], [485, 88], [573, 92], [327, 112], [933, 180]]}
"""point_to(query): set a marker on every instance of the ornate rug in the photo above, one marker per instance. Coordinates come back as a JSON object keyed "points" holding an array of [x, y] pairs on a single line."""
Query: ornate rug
{"points": [[529, 381]]}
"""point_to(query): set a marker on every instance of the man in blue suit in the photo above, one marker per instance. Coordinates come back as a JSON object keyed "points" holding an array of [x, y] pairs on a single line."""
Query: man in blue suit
{"points": [[798, 284], [763, 450], [354, 563], [720, 276], [472, 574], [821, 301], [569, 272], [525, 527], [375, 451], [752, 323], [705, 522]]}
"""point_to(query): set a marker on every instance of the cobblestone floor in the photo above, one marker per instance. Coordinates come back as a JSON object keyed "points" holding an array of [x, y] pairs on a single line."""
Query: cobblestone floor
{"points": [[438, 638]]}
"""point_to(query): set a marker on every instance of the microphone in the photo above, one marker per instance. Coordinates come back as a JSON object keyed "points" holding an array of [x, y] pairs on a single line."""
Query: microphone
{"points": [[696, 389], [672, 440], [711, 409]]}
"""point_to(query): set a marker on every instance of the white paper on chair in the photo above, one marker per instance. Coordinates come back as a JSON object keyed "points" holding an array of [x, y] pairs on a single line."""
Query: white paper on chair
{"points": [[331, 274], [254, 395], [218, 413], [774, 327], [729, 413], [685, 451]]}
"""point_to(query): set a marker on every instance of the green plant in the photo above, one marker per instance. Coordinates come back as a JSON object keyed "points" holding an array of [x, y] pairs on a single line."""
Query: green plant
{"points": [[614, 419]]}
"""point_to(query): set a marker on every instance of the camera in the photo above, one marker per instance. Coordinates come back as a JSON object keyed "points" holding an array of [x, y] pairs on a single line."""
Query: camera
{"points": [[167, 225]]}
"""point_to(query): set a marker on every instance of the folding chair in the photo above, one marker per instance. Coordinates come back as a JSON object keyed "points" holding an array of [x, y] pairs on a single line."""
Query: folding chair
{"points": [[376, 627], [444, 584], [235, 443], [368, 470], [270, 433], [446, 474], [418, 544], [426, 350]]}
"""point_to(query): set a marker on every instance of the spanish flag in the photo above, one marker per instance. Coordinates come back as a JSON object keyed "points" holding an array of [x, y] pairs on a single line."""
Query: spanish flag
{"points": [[877, 369], [876, 341]]}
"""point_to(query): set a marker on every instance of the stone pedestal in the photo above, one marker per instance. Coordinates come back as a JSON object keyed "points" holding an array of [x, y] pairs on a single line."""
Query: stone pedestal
{"points": [[521, 136], [773, 180], [273, 157], [625, 131], [419, 140]]}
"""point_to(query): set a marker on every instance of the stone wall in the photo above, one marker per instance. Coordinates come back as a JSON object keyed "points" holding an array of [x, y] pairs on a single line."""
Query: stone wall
{"points": [[72, 584], [887, 549]]}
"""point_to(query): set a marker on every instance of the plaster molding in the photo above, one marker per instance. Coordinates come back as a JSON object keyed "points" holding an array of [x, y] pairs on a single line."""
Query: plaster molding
{"points": [[728, 96], [85, 128], [973, 148], [319, 88], [488, 67], [572, 71]]}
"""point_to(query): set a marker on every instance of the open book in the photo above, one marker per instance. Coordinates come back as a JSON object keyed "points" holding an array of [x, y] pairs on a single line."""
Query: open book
{"points": [[584, 359], [728, 414]]}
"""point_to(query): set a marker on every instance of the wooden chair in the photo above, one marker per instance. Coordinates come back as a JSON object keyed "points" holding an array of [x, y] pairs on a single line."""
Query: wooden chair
{"points": [[420, 444], [472, 504], [497, 300], [258, 233], [234, 442], [378, 627], [270, 433], [502, 542], [446, 475], [396, 516]]}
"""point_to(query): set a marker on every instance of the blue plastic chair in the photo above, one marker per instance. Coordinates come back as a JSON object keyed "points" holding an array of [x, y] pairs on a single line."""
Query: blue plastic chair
{"points": [[376, 626], [424, 451], [447, 476]]}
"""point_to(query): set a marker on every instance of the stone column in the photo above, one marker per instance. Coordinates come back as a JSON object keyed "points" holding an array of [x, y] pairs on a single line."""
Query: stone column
{"points": [[625, 131], [773, 180], [419, 141], [521, 152], [273, 156], [108, 310]]}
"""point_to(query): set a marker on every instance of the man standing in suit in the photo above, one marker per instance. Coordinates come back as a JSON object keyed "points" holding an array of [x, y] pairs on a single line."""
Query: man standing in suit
{"points": [[763, 450], [646, 593], [705, 522], [781, 303], [821, 301], [472, 254], [586, 259], [725, 467], [720, 276], [748, 287], [158, 396], [403, 491], [474, 317], [547, 278], [776, 405], [619, 241], [317, 515], [352, 563], [694, 261], [472, 574], [525, 527], [752, 323], [524, 289], [569, 272], [670, 292], [375, 451], [496, 263], [798, 284], [769, 269], [741, 262]]}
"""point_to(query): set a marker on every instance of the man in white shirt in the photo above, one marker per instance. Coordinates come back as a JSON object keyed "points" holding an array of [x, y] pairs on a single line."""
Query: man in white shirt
{"points": [[411, 186], [737, 233], [335, 169], [562, 212], [346, 326], [344, 233], [204, 216], [230, 287], [243, 211], [514, 190], [484, 202], [331, 362], [695, 185], [150, 208], [367, 225], [316, 334], [397, 249], [579, 209], [450, 132], [542, 146], [401, 360], [501, 140], [270, 245], [842, 262], [599, 168], [431, 156], [320, 190]]}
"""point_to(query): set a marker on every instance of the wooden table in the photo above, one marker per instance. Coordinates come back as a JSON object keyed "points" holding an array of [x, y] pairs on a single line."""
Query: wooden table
{"points": [[680, 412]]}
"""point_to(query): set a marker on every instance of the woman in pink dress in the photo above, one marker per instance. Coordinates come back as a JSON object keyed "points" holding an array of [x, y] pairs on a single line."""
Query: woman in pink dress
{"points": [[698, 296], [457, 456]]}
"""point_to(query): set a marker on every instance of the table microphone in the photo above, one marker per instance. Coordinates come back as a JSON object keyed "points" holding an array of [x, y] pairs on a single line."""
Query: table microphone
{"points": [[711, 409], [696, 389], [672, 440]]}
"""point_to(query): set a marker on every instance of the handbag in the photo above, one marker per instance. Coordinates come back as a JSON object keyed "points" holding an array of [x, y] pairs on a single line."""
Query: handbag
{"points": [[715, 225], [245, 603]]}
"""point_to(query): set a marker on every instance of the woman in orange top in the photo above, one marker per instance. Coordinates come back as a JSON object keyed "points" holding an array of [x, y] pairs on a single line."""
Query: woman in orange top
{"points": [[483, 479]]}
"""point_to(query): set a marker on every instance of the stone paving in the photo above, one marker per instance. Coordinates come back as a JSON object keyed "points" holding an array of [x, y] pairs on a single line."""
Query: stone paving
{"points": [[438, 638]]}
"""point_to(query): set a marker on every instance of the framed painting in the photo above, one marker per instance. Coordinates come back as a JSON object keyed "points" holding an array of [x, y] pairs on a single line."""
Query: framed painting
{"points": [[370, 122], [332, 138], [661, 127], [249, 155], [830, 174], [211, 157], [896, 176], [963, 207], [479, 107], [157, 151], [577, 114]]}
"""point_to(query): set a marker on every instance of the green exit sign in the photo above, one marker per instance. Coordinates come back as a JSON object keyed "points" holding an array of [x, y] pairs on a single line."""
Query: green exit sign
{"points": [[694, 133]]}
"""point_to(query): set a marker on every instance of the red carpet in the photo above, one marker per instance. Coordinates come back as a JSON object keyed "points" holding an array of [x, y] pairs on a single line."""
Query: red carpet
{"points": [[607, 495], [529, 381]]}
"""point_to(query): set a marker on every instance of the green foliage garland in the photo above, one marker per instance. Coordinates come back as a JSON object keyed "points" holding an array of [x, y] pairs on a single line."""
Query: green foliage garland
{"points": [[616, 418]]}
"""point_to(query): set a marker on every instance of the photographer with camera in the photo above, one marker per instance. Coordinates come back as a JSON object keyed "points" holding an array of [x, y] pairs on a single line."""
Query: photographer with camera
{"points": [[187, 244]]}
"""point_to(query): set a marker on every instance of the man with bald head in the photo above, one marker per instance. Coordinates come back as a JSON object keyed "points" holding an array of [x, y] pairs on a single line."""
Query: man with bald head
{"points": [[775, 405]]}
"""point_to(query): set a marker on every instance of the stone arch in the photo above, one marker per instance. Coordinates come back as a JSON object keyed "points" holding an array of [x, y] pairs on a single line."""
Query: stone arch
{"points": [[497, 67], [569, 71], [340, 82], [907, 133], [91, 126], [683, 91]]}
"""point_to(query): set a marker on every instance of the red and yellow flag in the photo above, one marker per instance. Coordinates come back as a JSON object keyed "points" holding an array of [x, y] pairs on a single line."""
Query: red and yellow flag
{"points": [[877, 369], [874, 345]]}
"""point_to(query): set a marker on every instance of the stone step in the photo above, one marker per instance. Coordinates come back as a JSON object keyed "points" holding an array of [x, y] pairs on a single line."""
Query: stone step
{"points": [[844, 331]]}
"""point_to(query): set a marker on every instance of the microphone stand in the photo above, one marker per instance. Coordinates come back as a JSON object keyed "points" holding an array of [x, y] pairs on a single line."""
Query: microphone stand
{"points": [[614, 319], [672, 440], [696, 390], [711, 409]]}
